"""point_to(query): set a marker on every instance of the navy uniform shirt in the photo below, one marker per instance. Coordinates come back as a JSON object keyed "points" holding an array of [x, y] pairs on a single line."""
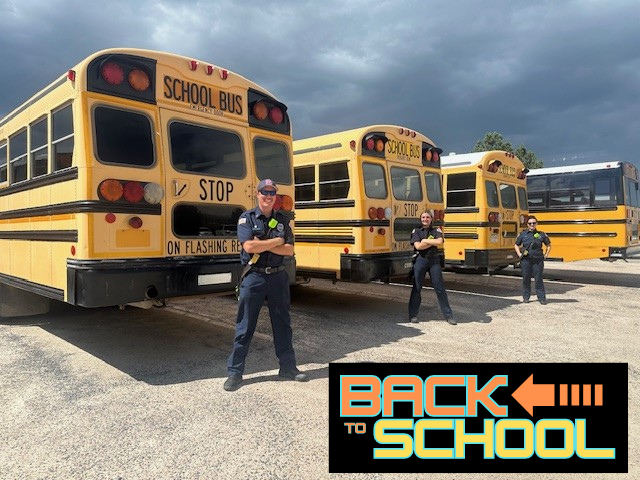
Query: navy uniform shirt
{"points": [[253, 223], [532, 242], [421, 233]]}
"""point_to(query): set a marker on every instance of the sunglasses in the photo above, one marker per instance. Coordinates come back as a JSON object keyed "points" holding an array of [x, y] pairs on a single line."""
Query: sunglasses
{"points": [[271, 193], [531, 223]]}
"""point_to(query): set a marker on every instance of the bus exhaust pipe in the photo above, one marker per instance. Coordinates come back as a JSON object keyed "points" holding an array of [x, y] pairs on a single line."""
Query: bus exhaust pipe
{"points": [[151, 293]]}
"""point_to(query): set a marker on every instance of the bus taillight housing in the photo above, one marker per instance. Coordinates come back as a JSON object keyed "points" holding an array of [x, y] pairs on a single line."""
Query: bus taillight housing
{"points": [[430, 155], [130, 191], [493, 217], [267, 113], [373, 144], [126, 76]]}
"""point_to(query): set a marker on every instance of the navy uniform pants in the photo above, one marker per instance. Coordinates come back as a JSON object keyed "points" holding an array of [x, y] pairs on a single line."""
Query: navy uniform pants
{"points": [[420, 269], [254, 289], [535, 267]]}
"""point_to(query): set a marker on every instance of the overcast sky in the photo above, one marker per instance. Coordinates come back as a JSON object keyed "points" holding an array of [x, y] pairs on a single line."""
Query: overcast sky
{"points": [[560, 77]]}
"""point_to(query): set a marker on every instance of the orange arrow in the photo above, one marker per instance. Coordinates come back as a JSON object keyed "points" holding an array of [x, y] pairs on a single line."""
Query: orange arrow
{"points": [[529, 395]]}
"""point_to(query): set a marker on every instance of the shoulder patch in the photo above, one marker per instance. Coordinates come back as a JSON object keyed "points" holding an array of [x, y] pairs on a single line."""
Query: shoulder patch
{"points": [[280, 227], [242, 220], [439, 230], [413, 231]]}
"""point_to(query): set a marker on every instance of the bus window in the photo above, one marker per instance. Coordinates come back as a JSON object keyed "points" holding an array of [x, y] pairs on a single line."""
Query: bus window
{"points": [[508, 196], [3, 163], [492, 194], [406, 185], [461, 190], [375, 184], [199, 219], [123, 137], [18, 152], [537, 191], [305, 179], [62, 140], [434, 187], [272, 160], [334, 181], [604, 194], [522, 198], [206, 150], [39, 157]]}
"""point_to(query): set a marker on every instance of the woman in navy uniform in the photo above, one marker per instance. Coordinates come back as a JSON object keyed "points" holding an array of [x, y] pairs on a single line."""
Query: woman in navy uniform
{"points": [[266, 239], [529, 248], [425, 241]]}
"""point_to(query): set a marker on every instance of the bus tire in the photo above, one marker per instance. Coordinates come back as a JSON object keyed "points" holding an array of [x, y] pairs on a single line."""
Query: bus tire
{"points": [[15, 302]]}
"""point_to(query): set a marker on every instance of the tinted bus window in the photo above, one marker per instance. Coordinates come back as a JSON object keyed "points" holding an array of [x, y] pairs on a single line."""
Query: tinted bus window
{"points": [[123, 137], [206, 150], [272, 160], [305, 180], [334, 181], [434, 187], [492, 194], [62, 139], [508, 196], [18, 152], [405, 184], [3, 163], [39, 149], [375, 183], [461, 190], [522, 198]]}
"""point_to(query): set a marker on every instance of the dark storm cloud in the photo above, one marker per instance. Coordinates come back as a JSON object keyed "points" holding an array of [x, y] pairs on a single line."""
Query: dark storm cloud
{"points": [[563, 78]]}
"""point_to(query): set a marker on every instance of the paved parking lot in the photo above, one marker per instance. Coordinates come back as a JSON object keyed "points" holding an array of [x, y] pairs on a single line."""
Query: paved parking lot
{"points": [[138, 393]]}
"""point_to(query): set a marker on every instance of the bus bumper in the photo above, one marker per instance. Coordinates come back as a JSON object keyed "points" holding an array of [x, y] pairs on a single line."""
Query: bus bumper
{"points": [[377, 266], [622, 252], [101, 283], [487, 258]]}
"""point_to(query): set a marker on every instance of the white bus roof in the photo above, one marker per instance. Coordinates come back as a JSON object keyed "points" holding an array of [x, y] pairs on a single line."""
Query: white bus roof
{"points": [[463, 159], [574, 168]]}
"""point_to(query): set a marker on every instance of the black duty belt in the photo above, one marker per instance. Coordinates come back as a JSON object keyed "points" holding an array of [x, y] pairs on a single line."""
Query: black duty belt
{"points": [[268, 270]]}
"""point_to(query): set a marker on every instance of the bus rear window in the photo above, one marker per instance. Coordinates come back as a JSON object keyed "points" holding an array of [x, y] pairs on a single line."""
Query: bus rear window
{"points": [[434, 187], [206, 220], [123, 137], [206, 151], [375, 184], [405, 184], [508, 196], [272, 160]]}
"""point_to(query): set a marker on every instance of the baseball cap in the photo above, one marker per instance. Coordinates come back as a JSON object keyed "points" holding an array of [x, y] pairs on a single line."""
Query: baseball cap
{"points": [[267, 182]]}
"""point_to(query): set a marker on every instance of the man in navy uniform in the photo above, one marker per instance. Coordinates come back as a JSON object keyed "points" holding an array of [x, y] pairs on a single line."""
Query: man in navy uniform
{"points": [[266, 239], [425, 241], [529, 248]]}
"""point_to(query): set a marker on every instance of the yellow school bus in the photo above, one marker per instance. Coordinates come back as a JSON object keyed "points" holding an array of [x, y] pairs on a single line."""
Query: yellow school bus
{"points": [[486, 207], [589, 211], [359, 194], [123, 180]]}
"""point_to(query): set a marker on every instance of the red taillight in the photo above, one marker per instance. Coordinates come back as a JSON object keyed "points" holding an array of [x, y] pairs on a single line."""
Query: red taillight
{"points": [[380, 213], [346, 250], [133, 192], [370, 144], [135, 222], [379, 145], [436, 156], [373, 213], [381, 231], [71, 75], [493, 217], [275, 115], [112, 73], [110, 218], [193, 64], [139, 80], [111, 190]]}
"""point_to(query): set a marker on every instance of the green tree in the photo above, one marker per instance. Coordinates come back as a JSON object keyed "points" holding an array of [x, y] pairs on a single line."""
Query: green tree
{"points": [[495, 141]]}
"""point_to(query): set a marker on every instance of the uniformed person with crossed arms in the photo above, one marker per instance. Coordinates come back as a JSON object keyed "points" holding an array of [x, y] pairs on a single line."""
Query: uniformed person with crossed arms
{"points": [[266, 238], [425, 241], [529, 248]]}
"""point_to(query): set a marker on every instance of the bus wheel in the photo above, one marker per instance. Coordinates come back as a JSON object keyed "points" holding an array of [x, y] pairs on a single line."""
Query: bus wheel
{"points": [[15, 302]]}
